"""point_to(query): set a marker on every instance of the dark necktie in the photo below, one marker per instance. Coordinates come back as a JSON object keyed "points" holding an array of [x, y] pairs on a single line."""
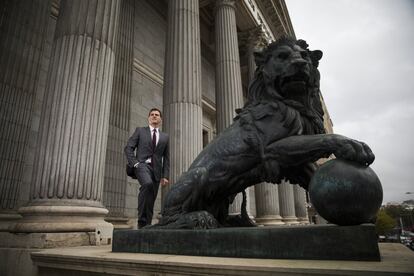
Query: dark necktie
{"points": [[154, 143]]}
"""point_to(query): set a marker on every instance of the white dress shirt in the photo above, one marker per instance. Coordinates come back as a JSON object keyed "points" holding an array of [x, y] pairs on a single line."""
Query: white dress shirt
{"points": [[157, 134]]}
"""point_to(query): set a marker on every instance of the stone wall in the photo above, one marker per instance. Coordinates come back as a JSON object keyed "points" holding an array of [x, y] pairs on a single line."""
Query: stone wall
{"points": [[208, 80], [147, 81]]}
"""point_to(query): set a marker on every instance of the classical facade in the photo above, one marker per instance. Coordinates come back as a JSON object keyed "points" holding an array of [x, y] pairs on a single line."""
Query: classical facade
{"points": [[77, 77]]}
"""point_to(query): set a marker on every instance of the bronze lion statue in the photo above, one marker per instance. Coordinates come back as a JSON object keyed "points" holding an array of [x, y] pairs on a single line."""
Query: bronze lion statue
{"points": [[278, 134]]}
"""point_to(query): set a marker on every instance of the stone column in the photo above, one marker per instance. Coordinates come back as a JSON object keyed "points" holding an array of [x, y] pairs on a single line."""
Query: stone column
{"points": [[267, 204], [67, 185], [256, 41], [182, 86], [266, 194], [300, 204], [22, 39], [115, 180], [229, 93], [287, 203]]}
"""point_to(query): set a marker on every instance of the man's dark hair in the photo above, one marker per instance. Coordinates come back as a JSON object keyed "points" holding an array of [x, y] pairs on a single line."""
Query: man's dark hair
{"points": [[155, 109]]}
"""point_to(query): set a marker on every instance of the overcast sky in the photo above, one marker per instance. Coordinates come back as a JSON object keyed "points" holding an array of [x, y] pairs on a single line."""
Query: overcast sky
{"points": [[367, 78]]}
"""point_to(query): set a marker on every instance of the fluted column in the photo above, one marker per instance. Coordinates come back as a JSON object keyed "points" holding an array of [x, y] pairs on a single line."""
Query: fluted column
{"points": [[229, 94], [267, 204], [182, 90], [22, 37], [300, 204], [266, 194], [67, 186], [256, 41], [287, 203], [115, 180]]}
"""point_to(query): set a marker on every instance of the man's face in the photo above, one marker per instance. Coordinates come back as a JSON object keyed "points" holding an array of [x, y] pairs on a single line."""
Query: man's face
{"points": [[154, 118]]}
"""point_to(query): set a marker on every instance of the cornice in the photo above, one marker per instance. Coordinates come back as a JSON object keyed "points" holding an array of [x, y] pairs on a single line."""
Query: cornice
{"points": [[275, 15], [148, 72], [259, 19]]}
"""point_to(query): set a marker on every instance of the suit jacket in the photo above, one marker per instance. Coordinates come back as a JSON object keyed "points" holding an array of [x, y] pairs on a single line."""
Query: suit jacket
{"points": [[139, 149]]}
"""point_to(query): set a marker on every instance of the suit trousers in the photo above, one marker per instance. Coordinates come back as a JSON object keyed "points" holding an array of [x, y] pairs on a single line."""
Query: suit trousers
{"points": [[148, 191]]}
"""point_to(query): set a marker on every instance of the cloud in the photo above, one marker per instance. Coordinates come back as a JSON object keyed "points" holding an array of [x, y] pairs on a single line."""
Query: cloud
{"points": [[367, 77], [389, 138]]}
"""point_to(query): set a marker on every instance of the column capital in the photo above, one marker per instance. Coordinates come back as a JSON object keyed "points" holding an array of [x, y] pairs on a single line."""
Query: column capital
{"points": [[253, 38], [224, 3], [257, 38]]}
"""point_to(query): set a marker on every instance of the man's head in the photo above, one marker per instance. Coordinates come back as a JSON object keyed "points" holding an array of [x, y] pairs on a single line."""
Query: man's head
{"points": [[154, 117]]}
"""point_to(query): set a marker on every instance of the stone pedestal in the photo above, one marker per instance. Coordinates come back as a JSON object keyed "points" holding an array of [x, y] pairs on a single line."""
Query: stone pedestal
{"points": [[67, 185], [285, 242], [182, 90]]}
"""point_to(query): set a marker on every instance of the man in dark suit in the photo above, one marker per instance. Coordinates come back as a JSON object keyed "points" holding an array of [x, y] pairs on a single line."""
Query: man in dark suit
{"points": [[151, 162]]}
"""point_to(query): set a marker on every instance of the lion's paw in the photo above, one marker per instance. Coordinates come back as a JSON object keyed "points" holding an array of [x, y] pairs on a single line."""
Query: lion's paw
{"points": [[196, 220], [354, 150]]}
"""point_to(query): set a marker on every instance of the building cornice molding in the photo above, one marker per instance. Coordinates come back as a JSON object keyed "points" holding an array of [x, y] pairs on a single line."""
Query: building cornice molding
{"points": [[208, 106], [259, 18], [273, 17], [148, 72], [225, 3]]}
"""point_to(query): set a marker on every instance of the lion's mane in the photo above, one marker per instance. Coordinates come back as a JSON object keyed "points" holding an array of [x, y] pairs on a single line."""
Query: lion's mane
{"points": [[310, 116]]}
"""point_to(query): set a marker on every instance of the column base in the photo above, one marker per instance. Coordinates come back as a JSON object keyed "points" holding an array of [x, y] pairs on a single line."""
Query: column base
{"points": [[269, 220], [303, 220], [61, 219], [7, 220], [48, 240], [290, 220], [120, 222]]}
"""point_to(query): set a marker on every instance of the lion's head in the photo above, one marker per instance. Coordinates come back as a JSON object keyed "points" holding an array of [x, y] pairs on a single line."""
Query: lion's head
{"points": [[287, 72]]}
